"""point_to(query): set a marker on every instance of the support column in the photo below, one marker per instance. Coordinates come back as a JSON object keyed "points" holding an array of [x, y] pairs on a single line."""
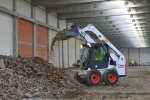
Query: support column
{"points": [[149, 54], [62, 50], [80, 49], [128, 57], [67, 45], [139, 55], [15, 31], [34, 40], [58, 26], [62, 54], [34, 32], [48, 43], [75, 50], [15, 37]]}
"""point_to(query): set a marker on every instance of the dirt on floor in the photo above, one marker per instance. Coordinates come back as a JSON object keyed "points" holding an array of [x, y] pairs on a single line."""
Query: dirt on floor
{"points": [[135, 86]]}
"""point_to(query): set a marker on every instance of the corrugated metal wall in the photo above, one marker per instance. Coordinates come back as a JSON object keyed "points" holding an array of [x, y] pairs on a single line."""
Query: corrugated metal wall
{"points": [[6, 34], [7, 4], [23, 8], [144, 55], [141, 55]]}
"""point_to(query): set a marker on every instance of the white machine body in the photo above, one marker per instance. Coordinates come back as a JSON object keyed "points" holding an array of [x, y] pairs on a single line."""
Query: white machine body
{"points": [[118, 57]]}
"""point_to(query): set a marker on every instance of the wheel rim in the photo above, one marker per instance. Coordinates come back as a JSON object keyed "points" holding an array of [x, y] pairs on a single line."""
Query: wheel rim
{"points": [[112, 77], [95, 77]]}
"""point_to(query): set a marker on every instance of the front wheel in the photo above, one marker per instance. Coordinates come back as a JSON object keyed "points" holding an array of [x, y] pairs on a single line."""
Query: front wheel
{"points": [[94, 78], [110, 77]]}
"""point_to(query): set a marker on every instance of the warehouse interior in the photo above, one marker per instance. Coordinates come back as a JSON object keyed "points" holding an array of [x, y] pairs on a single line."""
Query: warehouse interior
{"points": [[125, 24], [27, 29]]}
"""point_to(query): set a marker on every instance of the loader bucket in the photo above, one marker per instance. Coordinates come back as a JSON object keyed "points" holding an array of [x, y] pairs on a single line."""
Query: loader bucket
{"points": [[73, 31]]}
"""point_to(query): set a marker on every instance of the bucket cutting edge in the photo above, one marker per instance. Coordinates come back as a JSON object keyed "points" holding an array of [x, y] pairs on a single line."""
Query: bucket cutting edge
{"points": [[73, 31]]}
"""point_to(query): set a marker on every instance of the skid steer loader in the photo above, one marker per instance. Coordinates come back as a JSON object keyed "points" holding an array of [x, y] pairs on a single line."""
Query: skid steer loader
{"points": [[97, 63]]}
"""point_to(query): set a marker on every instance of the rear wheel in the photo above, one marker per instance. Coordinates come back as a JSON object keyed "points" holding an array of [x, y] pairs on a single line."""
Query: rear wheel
{"points": [[78, 79], [110, 77], [93, 78]]}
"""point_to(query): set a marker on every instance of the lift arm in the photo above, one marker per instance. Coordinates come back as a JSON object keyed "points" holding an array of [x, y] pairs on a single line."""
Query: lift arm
{"points": [[76, 31]]}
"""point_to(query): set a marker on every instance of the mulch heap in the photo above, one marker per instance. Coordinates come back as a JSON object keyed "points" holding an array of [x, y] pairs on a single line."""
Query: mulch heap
{"points": [[33, 77]]}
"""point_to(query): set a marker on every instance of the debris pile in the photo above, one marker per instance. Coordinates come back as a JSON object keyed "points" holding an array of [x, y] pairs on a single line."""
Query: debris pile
{"points": [[33, 77]]}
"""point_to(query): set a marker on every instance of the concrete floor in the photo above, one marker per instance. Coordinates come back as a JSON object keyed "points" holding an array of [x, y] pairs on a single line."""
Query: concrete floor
{"points": [[135, 86]]}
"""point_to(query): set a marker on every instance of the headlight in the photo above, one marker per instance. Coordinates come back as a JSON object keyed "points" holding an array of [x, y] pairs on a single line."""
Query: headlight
{"points": [[81, 46], [89, 44]]}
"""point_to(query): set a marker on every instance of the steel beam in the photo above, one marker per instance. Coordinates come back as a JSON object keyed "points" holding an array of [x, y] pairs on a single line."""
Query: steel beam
{"points": [[43, 24], [127, 31], [60, 2], [115, 23], [124, 32], [97, 6], [26, 18], [124, 26], [113, 12], [126, 36], [137, 28], [120, 26], [8, 11], [15, 14], [110, 18]]}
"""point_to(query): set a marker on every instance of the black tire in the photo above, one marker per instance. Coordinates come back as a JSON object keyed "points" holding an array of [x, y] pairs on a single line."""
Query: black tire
{"points": [[110, 77], [93, 78], [78, 79]]}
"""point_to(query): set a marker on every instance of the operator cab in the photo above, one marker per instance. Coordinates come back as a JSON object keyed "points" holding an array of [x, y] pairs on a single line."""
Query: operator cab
{"points": [[94, 56]]}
